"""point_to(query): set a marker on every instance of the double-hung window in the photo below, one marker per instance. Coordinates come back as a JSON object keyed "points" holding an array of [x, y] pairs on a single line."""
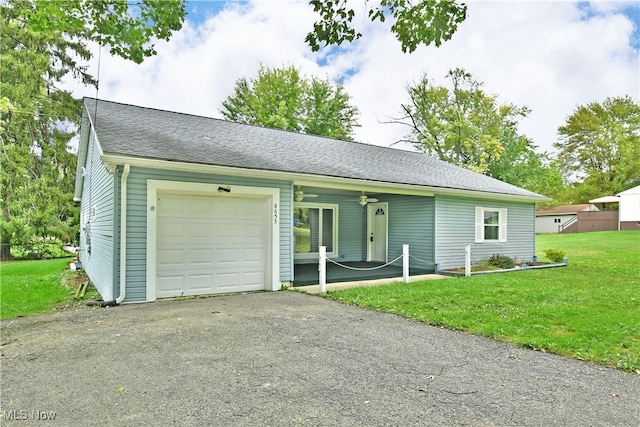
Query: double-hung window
{"points": [[491, 225], [315, 225]]}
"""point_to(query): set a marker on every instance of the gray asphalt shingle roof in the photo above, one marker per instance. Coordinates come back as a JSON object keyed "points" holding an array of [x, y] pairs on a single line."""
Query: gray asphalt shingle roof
{"points": [[150, 133]]}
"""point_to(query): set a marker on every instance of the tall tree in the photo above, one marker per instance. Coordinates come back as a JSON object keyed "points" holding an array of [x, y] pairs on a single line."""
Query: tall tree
{"points": [[414, 22], [41, 43], [599, 147], [272, 99], [521, 164], [461, 124], [281, 98]]}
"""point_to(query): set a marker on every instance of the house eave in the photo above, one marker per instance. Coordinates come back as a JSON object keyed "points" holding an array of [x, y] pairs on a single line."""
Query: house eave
{"points": [[82, 158], [86, 130], [342, 183]]}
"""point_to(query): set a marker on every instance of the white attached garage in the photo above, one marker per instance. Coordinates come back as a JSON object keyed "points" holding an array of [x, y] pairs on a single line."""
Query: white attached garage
{"points": [[208, 239]]}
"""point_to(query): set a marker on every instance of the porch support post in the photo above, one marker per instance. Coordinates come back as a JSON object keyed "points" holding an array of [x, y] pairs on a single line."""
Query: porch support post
{"points": [[322, 268], [467, 260], [405, 263]]}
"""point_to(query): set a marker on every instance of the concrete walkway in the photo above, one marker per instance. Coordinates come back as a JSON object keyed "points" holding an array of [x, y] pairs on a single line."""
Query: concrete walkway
{"points": [[315, 289]]}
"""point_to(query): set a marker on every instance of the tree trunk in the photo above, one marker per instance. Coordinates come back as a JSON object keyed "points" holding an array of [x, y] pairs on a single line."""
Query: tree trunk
{"points": [[5, 251]]}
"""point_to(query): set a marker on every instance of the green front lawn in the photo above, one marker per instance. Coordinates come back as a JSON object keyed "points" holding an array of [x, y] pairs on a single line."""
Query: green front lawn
{"points": [[589, 310], [31, 287]]}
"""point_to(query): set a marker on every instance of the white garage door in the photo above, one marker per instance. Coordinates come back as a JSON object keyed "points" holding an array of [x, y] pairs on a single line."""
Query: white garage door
{"points": [[209, 244]]}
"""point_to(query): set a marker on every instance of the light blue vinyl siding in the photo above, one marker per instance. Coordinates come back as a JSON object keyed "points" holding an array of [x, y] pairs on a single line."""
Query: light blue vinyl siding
{"points": [[98, 198], [411, 222], [352, 219], [455, 227], [137, 220]]}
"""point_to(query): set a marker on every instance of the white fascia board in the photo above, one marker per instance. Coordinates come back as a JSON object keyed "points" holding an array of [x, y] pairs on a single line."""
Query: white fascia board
{"points": [[349, 184], [83, 148], [491, 196], [95, 137], [87, 131]]}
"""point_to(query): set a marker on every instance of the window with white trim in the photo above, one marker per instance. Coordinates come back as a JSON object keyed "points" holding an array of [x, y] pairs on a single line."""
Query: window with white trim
{"points": [[315, 225], [491, 225]]}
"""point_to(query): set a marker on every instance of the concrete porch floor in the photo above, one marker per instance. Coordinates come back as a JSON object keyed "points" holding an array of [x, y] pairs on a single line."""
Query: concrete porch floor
{"points": [[307, 274]]}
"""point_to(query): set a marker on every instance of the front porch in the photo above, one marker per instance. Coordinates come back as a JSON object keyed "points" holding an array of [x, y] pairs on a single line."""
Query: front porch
{"points": [[360, 229], [307, 274]]}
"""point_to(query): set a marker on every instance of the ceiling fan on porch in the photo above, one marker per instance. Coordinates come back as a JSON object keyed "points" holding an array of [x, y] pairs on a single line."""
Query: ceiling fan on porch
{"points": [[363, 199], [300, 195]]}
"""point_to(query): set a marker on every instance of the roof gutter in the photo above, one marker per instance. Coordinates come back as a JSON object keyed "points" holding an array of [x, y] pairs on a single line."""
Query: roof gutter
{"points": [[123, 233]]}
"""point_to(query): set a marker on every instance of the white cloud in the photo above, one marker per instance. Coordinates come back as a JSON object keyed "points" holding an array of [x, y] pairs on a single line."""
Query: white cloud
{"points": [[550, 56]]}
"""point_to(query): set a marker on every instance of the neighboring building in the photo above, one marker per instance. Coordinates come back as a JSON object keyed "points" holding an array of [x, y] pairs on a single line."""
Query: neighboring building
{"points": [[559, 219], [629, 209], [619, 212], [174, 204]]}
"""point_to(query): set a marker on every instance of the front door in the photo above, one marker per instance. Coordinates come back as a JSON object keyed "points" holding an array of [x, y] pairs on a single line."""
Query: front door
{"points": [[377, 220]]}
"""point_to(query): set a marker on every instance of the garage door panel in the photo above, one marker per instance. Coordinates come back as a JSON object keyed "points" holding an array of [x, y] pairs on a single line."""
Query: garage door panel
{"points": [[227, 279], [252, 229], [201, 257], [200, 207], [255, 278], [170, 258], [203, 283], [228, 228], [170, 206], [250, 206], [211, 244], [171, 229], [227, 256], [199, 229], [255, 255], [230, 209], [169, 286]]}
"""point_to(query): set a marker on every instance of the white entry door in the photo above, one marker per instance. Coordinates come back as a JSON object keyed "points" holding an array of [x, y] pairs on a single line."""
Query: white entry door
{"points": [[377, 214], [209, 244]]}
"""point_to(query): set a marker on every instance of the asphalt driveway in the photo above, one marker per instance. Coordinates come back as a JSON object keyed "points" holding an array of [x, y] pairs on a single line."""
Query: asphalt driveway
{"points": [[286, 358]]}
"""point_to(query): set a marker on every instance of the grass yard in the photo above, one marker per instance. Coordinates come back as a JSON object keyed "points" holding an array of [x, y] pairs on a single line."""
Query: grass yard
{"points": [[31, 287], [589, 310]]}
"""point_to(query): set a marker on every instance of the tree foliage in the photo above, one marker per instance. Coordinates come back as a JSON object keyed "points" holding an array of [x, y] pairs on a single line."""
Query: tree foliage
{"points": [[41, 43], [283, 99], [414, 23], [599, 148], [521, 164], [128, 28], [463, 125]]}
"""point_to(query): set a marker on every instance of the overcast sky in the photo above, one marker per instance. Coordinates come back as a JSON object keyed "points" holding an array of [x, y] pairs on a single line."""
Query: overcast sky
{"points": [[550, 56]]}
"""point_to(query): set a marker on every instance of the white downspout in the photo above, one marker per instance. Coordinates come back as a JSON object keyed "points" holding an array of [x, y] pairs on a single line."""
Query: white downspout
{"points": [[123, 233]]}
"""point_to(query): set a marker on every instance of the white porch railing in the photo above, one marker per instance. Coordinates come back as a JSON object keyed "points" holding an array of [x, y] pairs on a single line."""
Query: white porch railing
{"points": [[322, 265]]}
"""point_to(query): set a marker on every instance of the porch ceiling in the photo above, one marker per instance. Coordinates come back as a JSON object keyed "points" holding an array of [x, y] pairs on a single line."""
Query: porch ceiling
{"points": [[369, 188]]}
